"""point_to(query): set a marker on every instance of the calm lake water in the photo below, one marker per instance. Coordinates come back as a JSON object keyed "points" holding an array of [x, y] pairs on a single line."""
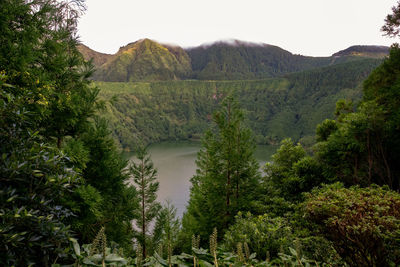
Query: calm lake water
{"points": [[175, 163]]}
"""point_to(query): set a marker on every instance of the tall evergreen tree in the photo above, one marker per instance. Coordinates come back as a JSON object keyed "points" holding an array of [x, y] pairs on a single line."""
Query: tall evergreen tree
{"points": [[227, 175], [144, 177], [105, 199]]}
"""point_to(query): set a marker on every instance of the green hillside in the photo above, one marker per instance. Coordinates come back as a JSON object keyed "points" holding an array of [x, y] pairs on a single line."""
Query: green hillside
{"points": [[145, 60], [290, 106], [241, 60]]}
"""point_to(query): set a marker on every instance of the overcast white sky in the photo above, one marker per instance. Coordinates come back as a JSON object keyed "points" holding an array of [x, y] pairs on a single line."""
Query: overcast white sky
{"points": [[307, 27]]}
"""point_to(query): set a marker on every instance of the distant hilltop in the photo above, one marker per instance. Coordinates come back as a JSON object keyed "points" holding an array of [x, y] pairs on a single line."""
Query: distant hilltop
{"points": [[148, 60], [364, 51]]}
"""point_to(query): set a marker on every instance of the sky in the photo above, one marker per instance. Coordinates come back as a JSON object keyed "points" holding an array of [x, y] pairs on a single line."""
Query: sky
{"points": [[306, 27]]}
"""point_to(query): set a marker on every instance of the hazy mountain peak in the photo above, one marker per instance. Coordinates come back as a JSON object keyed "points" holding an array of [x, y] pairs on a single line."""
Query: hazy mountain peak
{"points": [[232, 43]]}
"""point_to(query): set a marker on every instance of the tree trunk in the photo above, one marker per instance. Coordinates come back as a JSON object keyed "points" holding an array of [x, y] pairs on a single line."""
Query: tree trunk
{"points": [[370, 160], [228, 173], [143, 214], [59, 141]]}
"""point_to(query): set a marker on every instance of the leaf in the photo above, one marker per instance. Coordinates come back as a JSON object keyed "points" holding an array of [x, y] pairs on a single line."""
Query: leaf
{"points": [[95, 258], [205, 263], [199, 251], [89, 262], [293, 251], [185, 256], [160, 260], [115, 258], [77, 248]]}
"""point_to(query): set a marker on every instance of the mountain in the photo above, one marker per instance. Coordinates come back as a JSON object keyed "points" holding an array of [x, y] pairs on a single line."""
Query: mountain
{"points": [[145, 60], [370, 51], [241, 60], [98, 58]]}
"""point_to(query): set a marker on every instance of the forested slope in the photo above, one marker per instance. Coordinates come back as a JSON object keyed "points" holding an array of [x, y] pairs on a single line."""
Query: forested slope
{"points": [[290, 106], [148, 60]]}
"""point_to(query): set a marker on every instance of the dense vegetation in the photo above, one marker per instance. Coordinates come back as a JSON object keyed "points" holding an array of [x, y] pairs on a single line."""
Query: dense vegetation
{"points": [[61, 174], [147, 60], [276, 108], [65, 184]]}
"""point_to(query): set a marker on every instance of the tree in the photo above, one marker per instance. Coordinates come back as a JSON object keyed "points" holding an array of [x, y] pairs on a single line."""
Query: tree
{"points": [[362, 147], [105, 199], [39, 48], [392, 22], [227, 176], [363, 223], [34, 178], [144, 178], [46, 98]]}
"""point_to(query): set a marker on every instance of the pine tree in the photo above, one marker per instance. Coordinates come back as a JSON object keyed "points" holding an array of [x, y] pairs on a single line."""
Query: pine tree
{"points": [[227, 173], [144, 177]]}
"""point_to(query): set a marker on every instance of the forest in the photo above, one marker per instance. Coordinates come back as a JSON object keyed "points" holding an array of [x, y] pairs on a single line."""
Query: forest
{"points": [[69, 198], [276, 108]]}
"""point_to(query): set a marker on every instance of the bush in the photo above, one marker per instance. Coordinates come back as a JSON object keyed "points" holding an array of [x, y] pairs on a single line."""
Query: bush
{"points": [[263, 234], [363, 223]]}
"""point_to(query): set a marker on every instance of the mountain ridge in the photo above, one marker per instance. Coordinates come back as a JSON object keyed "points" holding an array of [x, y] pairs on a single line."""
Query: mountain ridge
{"points": [[148, 60]]}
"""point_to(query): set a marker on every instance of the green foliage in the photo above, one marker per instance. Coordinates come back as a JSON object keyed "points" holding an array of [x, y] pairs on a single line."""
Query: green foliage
{"points": [[291, 172], [39, 48], [37, 45], [60, 170], [227, 176], [392, 22], [34, 178], [51, 103], [88, 256], [284, 158], [325, 129], [105, 200], [363, 223], [262, 233], [365, 146], [144, 178], [166, 230]]}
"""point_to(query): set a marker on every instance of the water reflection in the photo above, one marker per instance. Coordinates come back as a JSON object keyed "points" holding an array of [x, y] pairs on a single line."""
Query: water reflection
{"points": [[175, 162]]}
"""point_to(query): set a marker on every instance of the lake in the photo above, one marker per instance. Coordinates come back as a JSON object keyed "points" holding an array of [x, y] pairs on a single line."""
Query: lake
{"points": [[175, 163]]}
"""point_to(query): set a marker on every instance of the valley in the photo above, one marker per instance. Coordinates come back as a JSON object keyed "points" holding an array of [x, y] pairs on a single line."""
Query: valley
{"points": [[276, 108]]}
